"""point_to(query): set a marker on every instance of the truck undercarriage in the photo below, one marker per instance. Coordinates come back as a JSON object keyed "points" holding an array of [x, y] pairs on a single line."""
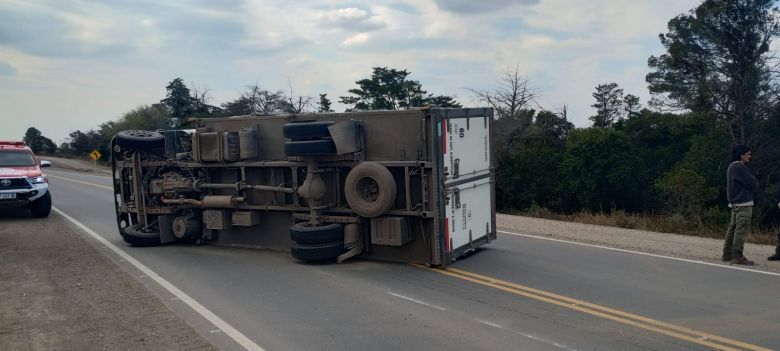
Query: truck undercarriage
{"points": [[408, 186]]}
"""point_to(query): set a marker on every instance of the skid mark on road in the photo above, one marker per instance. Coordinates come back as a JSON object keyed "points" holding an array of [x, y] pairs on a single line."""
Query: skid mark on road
{"points": [[694, 336]]}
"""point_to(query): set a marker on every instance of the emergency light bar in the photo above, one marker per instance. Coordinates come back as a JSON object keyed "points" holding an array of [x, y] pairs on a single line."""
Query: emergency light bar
{"points": [[12, 143]]}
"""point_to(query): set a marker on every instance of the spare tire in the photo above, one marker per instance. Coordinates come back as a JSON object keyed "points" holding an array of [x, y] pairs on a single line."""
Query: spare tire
{"points": [[310, 147], [303, 233], [317, 252], [134, 236], [307, 130], [140, 139], [370, 189]]}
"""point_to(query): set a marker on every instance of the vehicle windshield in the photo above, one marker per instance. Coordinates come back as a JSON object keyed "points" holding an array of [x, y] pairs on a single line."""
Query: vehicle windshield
{"points": [[16, 159]]}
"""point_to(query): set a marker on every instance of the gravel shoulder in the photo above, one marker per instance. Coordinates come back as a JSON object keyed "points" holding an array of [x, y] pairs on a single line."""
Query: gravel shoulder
{"points": [[77, 165], [59, 293], [680, 246]]}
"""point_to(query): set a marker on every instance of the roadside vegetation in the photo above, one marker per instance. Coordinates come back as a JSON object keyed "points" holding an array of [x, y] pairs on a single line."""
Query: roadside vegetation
{"points": [[658, 165]]}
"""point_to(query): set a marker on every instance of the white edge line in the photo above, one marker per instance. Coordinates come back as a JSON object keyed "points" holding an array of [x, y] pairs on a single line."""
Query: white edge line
{"points": [[236, 335], [642, 253], [416, 301]]}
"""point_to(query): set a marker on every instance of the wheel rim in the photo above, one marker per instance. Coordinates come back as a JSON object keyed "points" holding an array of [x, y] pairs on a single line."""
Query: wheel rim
{"points": [[368, 189]]}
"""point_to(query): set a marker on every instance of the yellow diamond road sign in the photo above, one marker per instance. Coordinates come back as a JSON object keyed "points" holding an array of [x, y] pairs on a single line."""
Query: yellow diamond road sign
{"points": [[94, 155]]}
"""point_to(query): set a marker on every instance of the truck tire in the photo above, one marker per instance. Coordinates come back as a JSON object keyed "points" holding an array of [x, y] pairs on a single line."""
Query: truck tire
{"points": [[317, 252], [140, 139], [133, 236], [318, 147], [303, 233], [42, 207], [370, 189], [307, 130]]}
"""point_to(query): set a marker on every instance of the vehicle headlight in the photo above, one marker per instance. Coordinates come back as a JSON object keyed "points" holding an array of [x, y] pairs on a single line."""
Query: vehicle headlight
{"points": [[38, 180]]}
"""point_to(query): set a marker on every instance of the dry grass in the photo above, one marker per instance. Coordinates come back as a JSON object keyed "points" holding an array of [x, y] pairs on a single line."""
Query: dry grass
{"points": [[675, 224]]}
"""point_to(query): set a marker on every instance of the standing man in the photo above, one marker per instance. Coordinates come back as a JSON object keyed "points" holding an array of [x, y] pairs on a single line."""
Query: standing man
{"points": [[740, 185], [776, 256]]}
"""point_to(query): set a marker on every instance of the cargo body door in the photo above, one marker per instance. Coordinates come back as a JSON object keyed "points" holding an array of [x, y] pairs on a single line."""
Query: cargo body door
{"points": [[466, 180]]}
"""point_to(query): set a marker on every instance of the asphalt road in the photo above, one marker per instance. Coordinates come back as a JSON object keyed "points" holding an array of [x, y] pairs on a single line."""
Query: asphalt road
{"points": [[519, 293]]}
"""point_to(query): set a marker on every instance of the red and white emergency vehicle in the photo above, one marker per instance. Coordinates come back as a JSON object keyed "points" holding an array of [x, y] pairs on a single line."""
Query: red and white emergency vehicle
{"points": [[22, 183]]}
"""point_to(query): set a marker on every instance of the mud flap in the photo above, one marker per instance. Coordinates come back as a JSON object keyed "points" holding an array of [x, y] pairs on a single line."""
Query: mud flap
{"points": [[166, 229], [353, 242]]}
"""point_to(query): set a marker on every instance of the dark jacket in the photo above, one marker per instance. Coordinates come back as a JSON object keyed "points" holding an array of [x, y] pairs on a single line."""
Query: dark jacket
{"points": [[740, 183]]}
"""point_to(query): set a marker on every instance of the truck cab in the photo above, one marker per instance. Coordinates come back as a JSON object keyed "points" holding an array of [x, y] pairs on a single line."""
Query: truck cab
{"points": [[412, 186], [22, 183]]}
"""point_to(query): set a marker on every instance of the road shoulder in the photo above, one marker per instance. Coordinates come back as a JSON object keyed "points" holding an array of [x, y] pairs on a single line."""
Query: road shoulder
{"points": [[59, 292], [674, 245]]}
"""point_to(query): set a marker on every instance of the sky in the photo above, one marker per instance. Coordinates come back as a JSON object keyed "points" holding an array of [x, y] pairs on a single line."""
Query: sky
{"points": [[74, 64]]}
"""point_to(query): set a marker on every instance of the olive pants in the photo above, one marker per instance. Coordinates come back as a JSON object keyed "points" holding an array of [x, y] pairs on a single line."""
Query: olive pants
{"points": [[738, 230]]}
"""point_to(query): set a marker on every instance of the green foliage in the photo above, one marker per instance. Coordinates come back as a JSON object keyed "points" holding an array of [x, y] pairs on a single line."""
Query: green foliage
{"points": [[389, 89], [717, 59], [600, 170], [609, 105], [685, 192], [324, 104], [180, 103], [83, 143], [38, 143]]}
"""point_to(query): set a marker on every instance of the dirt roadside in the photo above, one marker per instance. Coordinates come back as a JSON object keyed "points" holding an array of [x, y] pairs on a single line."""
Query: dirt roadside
{"points": [[59, 293], [77, 165], [680, 246]]}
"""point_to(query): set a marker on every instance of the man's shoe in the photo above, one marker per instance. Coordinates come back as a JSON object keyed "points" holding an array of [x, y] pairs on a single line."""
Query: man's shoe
{"points": [[774, 257], [742, 260], [725, 258]]}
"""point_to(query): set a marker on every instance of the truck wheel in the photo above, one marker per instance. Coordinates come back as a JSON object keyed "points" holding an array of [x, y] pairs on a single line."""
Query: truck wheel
{"points": [[140, 139], [317, 252], [42, 207], [370, 189], [307, 130], [310, 147], [134, 236], [303, 233]]}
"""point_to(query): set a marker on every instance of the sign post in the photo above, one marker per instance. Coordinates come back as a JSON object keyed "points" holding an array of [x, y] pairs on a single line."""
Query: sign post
{"points": [[95, 155]]}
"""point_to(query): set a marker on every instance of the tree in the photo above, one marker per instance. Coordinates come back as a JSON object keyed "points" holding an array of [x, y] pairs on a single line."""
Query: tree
{"points": [[511, 97], [180, 103], [389, 89], [201, 103], [443, 101], [631, 105], [609, 105], [255, 101], [600, 170], [324, 104], [717, 59], [37, 142], [685, 192], [294, 104], [83, 143]]}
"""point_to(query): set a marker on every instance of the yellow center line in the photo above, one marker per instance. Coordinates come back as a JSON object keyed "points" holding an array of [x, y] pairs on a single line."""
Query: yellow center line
{"points": [[682, 333], [82, 182]]}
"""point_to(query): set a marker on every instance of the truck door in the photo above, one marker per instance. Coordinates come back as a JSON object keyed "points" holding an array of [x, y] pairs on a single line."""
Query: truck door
{"points": [[468, 181]]}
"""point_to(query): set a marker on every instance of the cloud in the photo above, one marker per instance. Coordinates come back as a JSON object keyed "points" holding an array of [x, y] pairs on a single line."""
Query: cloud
{"points": [[7, 70], [357, 39], [467, 7], [351, 19]]}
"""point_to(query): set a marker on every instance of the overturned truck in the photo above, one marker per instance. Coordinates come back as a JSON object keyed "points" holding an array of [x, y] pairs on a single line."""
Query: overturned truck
{"points": [[408, 186]]}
